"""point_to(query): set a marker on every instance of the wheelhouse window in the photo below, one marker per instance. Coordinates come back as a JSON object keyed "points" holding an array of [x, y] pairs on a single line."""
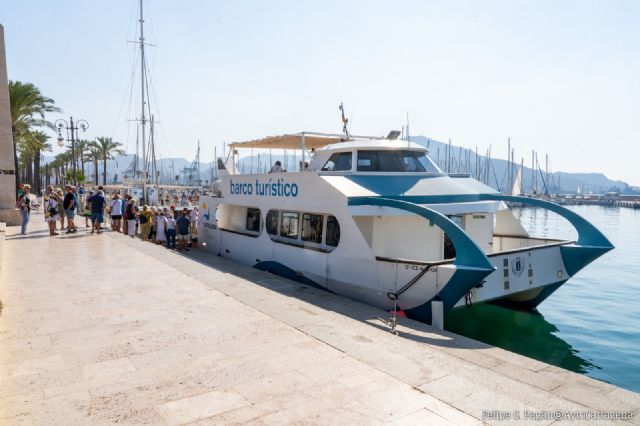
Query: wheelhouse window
{"points": [[426, 162], [271, 222], [333, 232], [395, 161], [338, 162], [312, 228], [289, 225], [253, 220]]}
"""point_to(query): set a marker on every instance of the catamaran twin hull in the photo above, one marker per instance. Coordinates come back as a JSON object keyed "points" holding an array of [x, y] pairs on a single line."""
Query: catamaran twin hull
{"points": [[393, 241]]}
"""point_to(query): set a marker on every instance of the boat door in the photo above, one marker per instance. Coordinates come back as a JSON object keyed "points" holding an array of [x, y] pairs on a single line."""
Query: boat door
{"points": [[479, 226], [448, 250]]}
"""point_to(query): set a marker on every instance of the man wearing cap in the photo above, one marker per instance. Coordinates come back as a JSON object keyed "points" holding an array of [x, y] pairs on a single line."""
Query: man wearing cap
{"points": [[69, 206], [24, 204]]}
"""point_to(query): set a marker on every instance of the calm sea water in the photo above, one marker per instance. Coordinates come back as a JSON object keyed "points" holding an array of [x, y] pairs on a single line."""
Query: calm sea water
{"points": [[591, 324]]}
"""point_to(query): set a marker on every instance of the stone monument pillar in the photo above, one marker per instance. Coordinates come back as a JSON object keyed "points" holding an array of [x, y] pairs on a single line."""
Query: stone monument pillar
{"points": [[8, 212]]}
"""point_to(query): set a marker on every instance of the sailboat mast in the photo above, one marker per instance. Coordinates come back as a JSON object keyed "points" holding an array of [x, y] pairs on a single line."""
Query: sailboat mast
{"points": [[213, 165], [546, 166], [198, 177], [449, 157], [533, 172], [143, 118], [514, 169], [521, 177], [509, 183], [153, 156]]}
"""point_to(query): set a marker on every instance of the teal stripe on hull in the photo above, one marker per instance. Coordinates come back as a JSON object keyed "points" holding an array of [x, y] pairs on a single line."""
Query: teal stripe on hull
{"points": [[286, 272]]}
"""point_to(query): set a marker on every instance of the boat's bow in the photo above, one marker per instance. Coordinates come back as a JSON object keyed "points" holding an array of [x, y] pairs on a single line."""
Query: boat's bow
{"points": [[471, 264], [591, 243]]}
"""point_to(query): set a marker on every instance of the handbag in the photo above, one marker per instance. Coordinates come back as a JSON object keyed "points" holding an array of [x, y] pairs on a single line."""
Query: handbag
{"points": [[52, 210]]}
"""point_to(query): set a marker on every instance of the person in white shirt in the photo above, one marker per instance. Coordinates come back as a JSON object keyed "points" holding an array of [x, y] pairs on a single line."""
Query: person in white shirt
{"points": [[171, 232], [51, 210], [193, 216], [115, 210], [161, 227], [276, 168]]}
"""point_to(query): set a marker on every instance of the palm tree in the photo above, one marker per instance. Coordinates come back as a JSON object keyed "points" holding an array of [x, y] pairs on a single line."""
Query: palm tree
{"points": [[41, 144], [106, 148], [82, 150], [60, 165], [31, 146], [28, 107], [93, 155]]}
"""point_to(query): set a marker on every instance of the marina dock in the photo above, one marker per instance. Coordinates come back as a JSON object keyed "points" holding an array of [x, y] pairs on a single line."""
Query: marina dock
{"points": [[104, 329]]}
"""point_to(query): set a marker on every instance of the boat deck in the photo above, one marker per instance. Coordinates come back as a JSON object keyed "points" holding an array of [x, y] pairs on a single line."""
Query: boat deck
{"points": [[137, 334]]}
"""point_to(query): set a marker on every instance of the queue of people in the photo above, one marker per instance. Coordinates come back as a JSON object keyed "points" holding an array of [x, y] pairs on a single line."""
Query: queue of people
{"points": [[169, 226]]}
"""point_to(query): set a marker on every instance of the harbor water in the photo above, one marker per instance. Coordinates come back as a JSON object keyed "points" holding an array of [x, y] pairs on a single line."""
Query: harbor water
{"points": [[591, 324]]}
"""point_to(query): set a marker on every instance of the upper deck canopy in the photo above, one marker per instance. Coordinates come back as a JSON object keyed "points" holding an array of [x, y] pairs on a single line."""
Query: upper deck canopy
{"points": [[302, 140]]}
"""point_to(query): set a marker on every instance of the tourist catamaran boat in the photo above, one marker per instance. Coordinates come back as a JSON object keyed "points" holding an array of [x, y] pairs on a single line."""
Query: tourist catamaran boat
{"points": [[374, 219]]}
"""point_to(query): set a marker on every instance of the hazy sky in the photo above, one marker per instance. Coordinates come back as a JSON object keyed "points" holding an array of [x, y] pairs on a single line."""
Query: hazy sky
{"points": [[561, 77]]}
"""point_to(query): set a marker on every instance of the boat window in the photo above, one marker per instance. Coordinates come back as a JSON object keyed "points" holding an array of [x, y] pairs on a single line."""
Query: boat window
{"points": [[428, 164], [338, 162], [395, 161], [333, 231], [253, 220], [289, 225], [271, 223], [312, 227], [457, 219]]}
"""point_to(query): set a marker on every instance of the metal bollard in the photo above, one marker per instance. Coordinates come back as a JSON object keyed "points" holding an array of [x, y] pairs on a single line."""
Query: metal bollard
{"points": [[437, 314]]}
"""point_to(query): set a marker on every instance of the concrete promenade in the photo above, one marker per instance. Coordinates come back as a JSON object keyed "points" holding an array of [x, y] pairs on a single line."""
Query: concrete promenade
{"points": [[104, 329]]}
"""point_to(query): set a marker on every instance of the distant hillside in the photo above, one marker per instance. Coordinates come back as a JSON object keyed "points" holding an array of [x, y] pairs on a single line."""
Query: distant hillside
{"points": [[122, 167], [462, 160]]}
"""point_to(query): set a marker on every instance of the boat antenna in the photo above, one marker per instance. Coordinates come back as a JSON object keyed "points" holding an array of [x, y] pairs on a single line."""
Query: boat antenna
{"points": [[408, 138], [345, 120]]}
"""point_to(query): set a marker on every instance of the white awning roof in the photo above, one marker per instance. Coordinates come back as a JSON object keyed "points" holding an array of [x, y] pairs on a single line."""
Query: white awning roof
{"points": [[311, 140]]}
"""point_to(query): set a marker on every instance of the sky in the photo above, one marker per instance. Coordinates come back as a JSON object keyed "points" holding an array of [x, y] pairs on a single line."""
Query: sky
{"points": [[561, 77]]}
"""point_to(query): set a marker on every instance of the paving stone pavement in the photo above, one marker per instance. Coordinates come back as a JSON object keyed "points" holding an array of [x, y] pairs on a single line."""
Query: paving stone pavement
{"points": [[104, 329]]}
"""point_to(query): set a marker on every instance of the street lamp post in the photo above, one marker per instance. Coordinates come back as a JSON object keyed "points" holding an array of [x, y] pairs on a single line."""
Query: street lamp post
{"points": [[72, 135]]}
